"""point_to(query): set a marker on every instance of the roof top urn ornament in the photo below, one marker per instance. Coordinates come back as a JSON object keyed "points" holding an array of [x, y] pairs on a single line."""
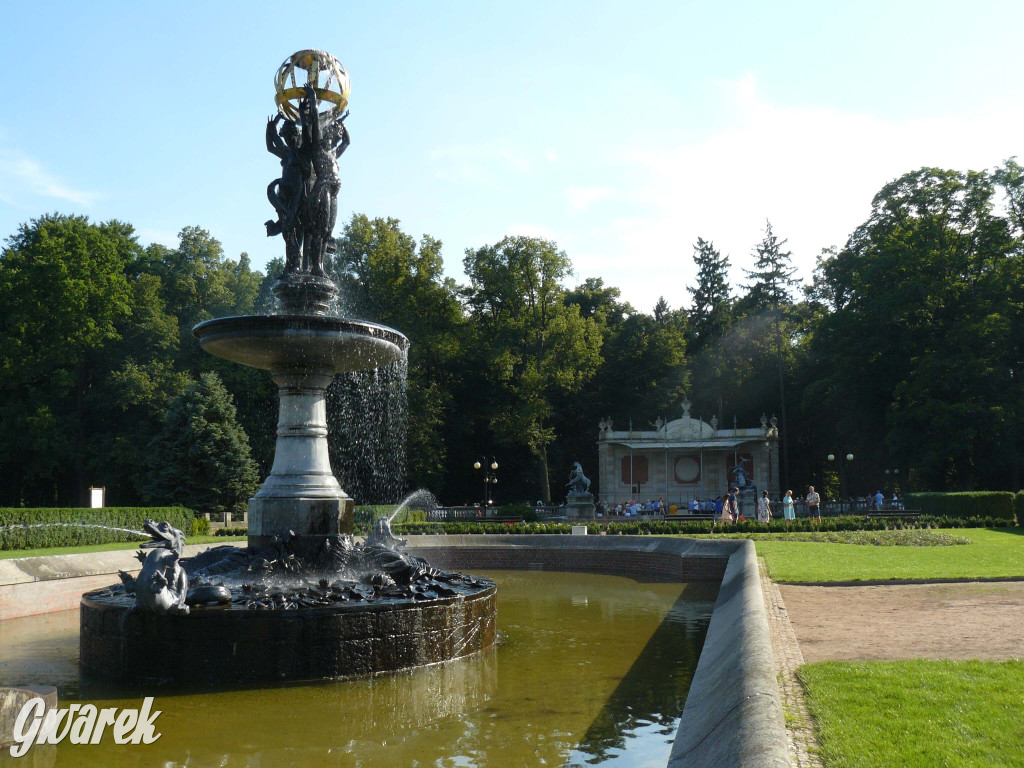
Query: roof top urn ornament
{"points": [[308, 135]]}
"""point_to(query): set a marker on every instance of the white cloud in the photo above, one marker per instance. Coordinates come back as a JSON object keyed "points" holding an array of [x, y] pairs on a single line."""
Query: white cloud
{"points": [[477, 164], [20, 173], [518, 160], [580, 198], [811, 171]]}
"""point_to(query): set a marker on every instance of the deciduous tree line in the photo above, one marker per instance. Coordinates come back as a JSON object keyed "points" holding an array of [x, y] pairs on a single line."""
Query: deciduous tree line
{"points": [[905, 350]]}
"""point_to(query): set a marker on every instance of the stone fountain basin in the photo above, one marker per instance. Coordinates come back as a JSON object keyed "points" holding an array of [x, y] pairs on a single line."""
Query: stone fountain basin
{"points": [[281, 343], [232, 646]]}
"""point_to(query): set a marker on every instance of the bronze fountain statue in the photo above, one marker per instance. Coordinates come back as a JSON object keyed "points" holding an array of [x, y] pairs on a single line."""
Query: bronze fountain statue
{"points": [[303, 600]]}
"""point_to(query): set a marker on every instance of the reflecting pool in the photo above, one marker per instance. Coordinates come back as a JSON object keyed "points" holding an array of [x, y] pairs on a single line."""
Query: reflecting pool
{"points": [[588, 670]]}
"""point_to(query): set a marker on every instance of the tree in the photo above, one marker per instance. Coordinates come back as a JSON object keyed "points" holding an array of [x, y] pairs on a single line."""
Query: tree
{"points": [[772, 275], [770, 294], [532, 346], [201, 457], [924, 342], [644, 374], [711, 313], [198, 282], [600, 302], [66, 300], [711, 317], [385, 276]]}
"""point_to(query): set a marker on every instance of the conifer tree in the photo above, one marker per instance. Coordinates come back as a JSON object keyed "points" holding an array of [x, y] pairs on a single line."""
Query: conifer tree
{"points": [[711, 313], [770, 293], [200, 458], [772, 274], [710, 319]]}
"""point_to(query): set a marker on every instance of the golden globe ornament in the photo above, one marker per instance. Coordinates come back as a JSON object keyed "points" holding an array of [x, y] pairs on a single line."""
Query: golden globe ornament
{"points": [[319, 69]]}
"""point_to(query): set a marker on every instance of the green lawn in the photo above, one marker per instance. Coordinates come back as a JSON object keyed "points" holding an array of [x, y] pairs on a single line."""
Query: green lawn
{"points": [[8, 554], [926, 714], [996, 552]]}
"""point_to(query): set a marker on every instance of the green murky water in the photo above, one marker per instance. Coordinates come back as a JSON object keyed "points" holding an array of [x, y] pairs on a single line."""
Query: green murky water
{"points": [[589, 670]]}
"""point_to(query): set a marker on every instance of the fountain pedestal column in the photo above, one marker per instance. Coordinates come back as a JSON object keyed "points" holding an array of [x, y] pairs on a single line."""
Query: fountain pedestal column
{"points": [[301, 493]]}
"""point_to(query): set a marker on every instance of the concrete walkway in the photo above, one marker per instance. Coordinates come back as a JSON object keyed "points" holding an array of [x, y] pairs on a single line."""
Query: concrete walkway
{"points": [[30, 586]]}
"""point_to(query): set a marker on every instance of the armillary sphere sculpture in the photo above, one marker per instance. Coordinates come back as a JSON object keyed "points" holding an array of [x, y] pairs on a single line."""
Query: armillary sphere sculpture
{"points": [[308, 139]]}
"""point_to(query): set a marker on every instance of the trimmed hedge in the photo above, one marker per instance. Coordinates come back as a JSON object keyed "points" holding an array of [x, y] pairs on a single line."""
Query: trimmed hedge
{"points": [[525, 511], [698, 527], [1018, 507], [681, 527], [366, 515], [998, 504], [38, 528]]}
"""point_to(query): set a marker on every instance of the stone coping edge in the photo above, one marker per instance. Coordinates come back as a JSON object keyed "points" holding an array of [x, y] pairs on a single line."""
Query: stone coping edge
{"points": [[733, 714]]}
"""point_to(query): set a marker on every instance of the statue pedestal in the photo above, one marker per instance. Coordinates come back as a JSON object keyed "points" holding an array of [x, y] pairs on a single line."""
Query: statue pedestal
{"points": [[303, 294], [580, 506]]}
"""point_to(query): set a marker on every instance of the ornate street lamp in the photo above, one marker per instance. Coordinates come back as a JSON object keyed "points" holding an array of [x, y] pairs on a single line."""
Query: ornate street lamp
{"points": [[842, 476], [490, 478], [892, 479]]}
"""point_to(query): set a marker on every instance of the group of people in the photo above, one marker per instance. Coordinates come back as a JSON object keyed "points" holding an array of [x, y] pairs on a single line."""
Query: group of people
{"points": [[633, 508], [879, 499], [726, 507]]}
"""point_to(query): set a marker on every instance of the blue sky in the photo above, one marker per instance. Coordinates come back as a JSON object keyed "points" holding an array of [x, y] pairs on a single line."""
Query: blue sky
{"points": [[622, 131]]}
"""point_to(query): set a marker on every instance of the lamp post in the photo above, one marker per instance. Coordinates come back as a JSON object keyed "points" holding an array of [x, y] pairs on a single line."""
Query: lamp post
{"points": [[892, 479], [490, 478], [842, 476], [771, 436]]}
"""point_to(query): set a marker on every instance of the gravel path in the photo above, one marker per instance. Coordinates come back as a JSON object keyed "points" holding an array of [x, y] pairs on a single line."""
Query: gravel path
{"points": [[969, 620]]}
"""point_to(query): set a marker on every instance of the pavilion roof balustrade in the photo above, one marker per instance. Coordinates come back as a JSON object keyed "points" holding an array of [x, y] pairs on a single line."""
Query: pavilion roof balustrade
{"points": [[687, 444]]}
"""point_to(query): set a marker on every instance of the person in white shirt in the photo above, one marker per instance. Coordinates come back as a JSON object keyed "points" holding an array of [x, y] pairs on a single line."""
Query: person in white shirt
{"points": [[813, 505]]}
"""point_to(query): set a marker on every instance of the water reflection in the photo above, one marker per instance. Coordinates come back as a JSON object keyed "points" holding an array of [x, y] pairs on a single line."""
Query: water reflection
{"points": [[588, 666], [648, 703]]}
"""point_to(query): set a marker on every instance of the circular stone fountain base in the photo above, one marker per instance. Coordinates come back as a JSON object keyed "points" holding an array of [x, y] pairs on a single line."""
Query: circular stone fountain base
{"points": [[230, 646]]}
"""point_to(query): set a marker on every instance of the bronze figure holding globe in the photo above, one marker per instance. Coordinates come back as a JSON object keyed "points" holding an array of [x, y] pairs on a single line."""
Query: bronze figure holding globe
{"points": [[392, 610], [308, 143]]}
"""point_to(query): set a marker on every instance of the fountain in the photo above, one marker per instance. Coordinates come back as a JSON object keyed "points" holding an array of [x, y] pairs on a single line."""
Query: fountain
{"points": [[302, 600]]}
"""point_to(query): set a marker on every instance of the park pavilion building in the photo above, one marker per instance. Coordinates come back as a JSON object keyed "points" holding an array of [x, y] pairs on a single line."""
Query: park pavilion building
{"points": [[687, 459]]}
